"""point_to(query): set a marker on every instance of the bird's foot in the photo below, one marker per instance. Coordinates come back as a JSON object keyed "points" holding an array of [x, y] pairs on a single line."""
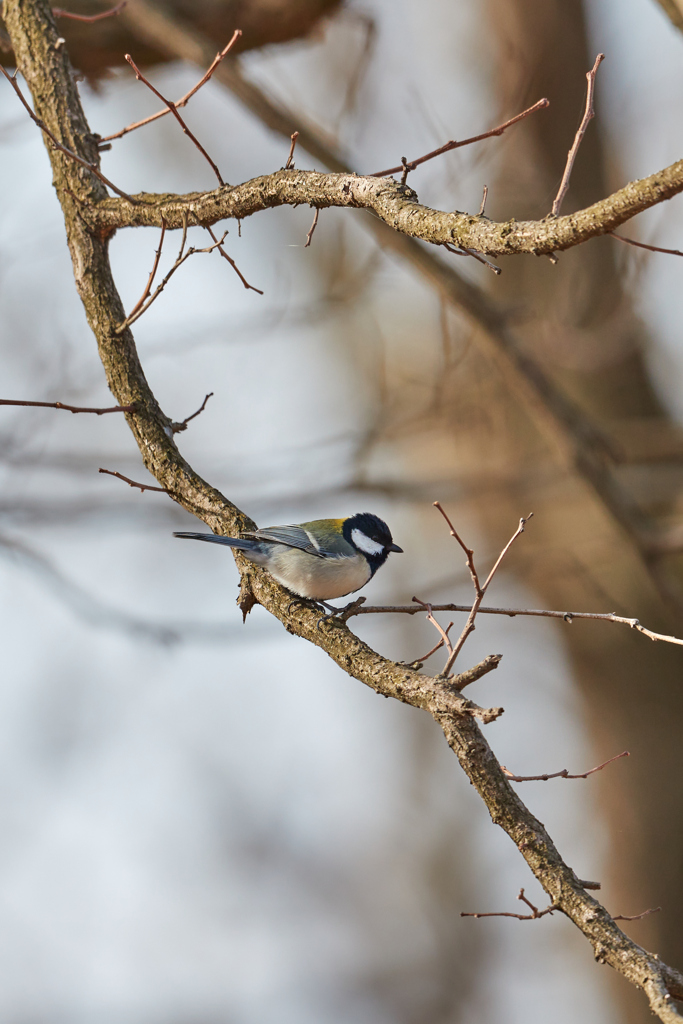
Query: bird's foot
{"points": [[341, 614]]}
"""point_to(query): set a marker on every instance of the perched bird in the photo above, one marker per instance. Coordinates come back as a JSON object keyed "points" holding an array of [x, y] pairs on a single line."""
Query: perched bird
{"points": [[321, 560]]}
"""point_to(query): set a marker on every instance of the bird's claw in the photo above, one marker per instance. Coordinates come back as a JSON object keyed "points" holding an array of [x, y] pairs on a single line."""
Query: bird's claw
{"points": [[342, 615]]}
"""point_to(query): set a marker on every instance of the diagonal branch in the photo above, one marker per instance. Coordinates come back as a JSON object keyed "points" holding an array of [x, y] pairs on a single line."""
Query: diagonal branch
{"points": [[410, 165], [589, 114], [183, 101], [174, 110]]}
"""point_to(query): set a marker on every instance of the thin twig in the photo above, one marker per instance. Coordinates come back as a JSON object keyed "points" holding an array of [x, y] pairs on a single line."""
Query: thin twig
{"points": [[182, 256], [469, 553], [642, 245], [454, 144], [564, 774], [589, 114], [546, 613], [177, 427], [636, 917], [312, 228], [464, 251], [434, 649], [70, 408], [132, 483], [174, 110], [182, 102], [533, 916], [443, 633], [289, 166], [479, 590], [219, 246], [58, 12], [483, 201], [150, 281], [63, 149]]}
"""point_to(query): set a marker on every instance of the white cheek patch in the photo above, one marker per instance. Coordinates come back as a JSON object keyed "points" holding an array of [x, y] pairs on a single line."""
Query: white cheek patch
{"points": [[366, 544]]}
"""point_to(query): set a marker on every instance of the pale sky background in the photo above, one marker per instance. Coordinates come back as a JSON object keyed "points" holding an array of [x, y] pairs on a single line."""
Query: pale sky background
{"points": [[207, 822]]}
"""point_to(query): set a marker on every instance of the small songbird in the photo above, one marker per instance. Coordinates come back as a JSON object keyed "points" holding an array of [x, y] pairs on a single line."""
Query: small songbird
{"points": [[321, 560]]}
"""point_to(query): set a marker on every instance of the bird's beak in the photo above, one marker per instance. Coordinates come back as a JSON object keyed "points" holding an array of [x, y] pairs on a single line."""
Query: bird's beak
{"points": [[395, 547]]}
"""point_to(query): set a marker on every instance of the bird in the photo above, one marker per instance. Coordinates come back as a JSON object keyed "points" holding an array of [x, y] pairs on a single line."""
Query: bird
{"points": [[320, 560]]}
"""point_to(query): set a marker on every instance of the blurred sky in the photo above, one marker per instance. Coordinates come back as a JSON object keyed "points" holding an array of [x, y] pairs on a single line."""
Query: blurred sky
{"points": [[208, 822]]}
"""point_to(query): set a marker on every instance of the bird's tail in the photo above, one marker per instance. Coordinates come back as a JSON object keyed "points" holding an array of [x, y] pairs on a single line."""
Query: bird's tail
{"points": [[233, 542]]}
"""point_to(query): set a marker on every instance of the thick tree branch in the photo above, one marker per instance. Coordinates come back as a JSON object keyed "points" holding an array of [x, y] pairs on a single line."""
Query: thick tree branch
{"points": [[398, 207]]}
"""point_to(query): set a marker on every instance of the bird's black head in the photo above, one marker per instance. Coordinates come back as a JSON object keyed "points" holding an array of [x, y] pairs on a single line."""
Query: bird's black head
{"points": [[371, 536]]}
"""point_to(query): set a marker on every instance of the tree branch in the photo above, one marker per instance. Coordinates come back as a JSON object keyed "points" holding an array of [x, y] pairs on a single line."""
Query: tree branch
{"points": [[398, 207]]}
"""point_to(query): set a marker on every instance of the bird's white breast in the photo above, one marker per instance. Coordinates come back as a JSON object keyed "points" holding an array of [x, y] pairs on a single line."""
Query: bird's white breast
{"points": [[320, 579]]}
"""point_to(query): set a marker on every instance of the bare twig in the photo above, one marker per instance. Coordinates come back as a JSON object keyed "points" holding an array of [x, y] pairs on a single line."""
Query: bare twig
{"points": [[533, 916], [410, 165], [470, 675], [70, 408], [642, 245], [63, 149], [289, 166], [184, 99], [564, 774], [589, 114], [133, 483], [182, 256], [438, 647], [219, 246], [636, 917], [479, 590], [177, 427], [469, 553], [58, 12], [443, 633], [463, 251], [546, 613], [483, 201], [150, 281], [312, 228], [174, 110]]}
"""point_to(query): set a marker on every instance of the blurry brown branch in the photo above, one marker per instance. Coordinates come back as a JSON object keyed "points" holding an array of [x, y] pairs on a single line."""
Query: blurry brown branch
{"points": [[674, 11], [643, 245], [63, 149], [589, 114], [58, 12], [174, 110], [132, 483], [564, 774], [219, 246], [69, 408], [410, 165], [533, 916], [182, 425], [183, 100], [546, 613]]}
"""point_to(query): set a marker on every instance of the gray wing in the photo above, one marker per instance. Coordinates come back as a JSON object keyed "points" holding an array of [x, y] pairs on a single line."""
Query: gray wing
{"points": [[291, 536]]}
